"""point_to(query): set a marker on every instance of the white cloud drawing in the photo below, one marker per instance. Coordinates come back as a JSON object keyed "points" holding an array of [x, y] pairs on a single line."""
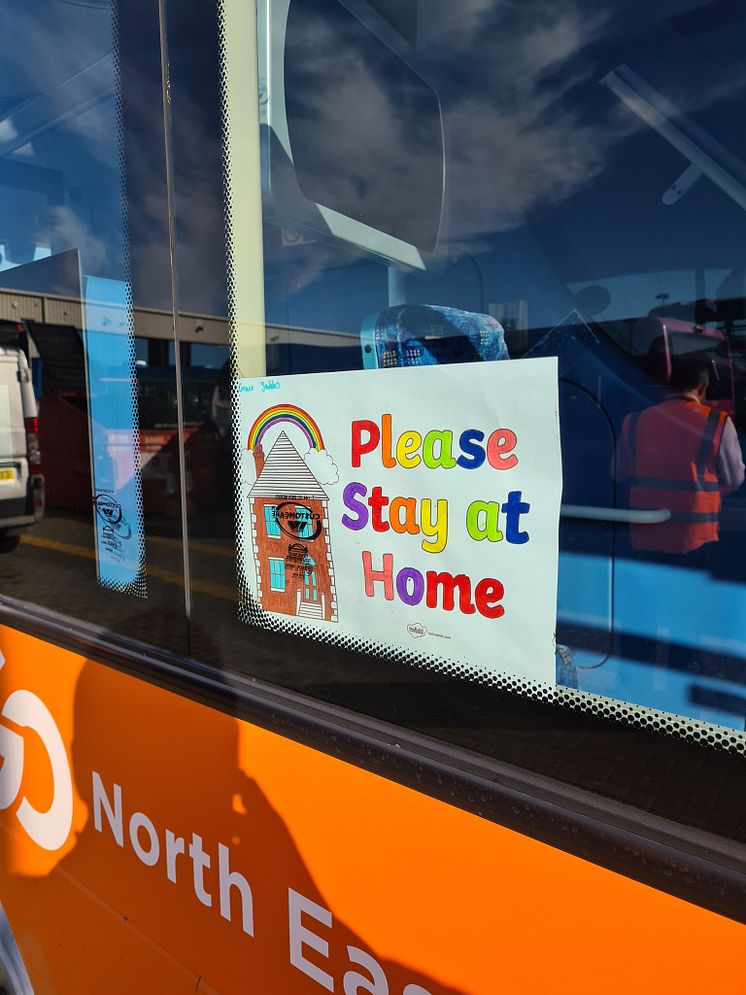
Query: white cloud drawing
{"points": [[322, 466]]}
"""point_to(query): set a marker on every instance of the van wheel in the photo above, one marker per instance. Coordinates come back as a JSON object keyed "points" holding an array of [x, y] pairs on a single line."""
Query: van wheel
{"points": [[9, 543]]}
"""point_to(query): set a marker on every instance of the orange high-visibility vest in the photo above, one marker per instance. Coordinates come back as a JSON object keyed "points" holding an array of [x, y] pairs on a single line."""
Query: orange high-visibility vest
{"points": [[672, 448]]}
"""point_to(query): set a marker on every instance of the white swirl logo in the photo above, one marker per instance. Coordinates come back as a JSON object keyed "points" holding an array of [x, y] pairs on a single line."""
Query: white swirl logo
{"points": [[51, 828]]}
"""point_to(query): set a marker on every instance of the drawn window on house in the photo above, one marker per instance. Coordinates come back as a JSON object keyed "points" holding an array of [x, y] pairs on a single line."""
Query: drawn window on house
{"points": [[310, 588], [271, 520], [305, 522], [276, 574]]}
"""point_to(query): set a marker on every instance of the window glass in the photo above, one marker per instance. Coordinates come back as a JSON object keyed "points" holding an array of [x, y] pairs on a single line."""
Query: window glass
{"points": [[277, 574], [271, 520], [495, 185], [90, 507], [375, 151], [304, 517]]}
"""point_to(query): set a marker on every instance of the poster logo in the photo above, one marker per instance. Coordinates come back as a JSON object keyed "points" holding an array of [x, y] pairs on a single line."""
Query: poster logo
{"points": [[108, 508], [48, 829]]}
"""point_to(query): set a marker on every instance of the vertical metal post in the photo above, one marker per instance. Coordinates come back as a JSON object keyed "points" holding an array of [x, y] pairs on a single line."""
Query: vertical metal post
{"points": [[171, 207], [397, 287], [239, 55]]}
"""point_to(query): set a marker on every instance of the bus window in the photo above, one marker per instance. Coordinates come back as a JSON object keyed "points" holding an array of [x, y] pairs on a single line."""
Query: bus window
{"points": [[528, 186], [372, 545], [96, 498]]}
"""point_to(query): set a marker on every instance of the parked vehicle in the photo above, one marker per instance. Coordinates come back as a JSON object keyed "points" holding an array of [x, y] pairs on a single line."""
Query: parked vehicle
{"points": [[21, 480]]}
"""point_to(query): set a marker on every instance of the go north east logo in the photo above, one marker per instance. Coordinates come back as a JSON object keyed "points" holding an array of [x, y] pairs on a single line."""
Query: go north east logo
{"points": [[51, 828]]}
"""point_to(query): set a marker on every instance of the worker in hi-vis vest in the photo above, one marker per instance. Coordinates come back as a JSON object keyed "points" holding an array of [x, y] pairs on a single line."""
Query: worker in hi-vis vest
{"points": [[680, 456]]}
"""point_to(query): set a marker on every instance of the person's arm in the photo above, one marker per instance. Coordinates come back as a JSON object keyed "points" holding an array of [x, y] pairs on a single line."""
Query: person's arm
{"points": [[729, 464]]}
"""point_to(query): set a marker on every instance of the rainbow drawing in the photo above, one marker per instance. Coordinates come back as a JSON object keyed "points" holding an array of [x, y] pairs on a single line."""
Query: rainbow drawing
{"points": [[285, 413]]}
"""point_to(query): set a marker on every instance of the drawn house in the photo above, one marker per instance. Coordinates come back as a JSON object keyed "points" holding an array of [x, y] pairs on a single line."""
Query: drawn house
{"points": [[290, 535]]}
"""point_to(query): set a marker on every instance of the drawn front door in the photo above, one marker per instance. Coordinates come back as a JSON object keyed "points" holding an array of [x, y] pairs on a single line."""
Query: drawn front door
{"points": [[310, 587]]}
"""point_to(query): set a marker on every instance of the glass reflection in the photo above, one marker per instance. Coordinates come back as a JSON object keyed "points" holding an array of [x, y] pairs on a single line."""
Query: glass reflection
{"points": [[68, 204], [592, 207]]}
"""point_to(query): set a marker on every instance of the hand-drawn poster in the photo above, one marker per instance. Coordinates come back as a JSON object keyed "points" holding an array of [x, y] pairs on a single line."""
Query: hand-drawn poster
{"points": [[412, 512]]}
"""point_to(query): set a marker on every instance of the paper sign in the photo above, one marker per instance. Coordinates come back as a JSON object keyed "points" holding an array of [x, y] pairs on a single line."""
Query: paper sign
{"points": [[412, 512], [115, 457]]}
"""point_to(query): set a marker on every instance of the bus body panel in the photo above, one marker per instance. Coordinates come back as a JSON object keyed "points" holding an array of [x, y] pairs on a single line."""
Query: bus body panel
{"points": [[321, 863]]}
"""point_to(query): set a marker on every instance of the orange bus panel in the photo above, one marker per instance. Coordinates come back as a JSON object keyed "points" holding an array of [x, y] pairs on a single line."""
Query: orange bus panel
{"points": [[153, 844]]}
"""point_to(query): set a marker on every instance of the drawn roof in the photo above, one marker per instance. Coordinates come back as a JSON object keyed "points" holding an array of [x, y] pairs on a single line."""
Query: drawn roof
{"points": [[286, 474]]}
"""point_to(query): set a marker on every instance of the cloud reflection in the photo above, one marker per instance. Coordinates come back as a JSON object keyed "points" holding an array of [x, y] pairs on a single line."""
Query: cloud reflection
{"points": [[525, 125]]}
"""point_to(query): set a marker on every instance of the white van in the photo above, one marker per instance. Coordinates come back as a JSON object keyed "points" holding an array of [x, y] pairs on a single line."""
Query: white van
{"points": [[21, 482]]}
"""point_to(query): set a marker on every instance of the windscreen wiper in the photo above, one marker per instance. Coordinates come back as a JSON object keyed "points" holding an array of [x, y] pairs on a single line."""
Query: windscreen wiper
{"points": [[706, 155]]}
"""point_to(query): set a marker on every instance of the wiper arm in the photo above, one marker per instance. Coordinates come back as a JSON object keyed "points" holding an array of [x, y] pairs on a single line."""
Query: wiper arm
{"points": [[706, 155]]}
